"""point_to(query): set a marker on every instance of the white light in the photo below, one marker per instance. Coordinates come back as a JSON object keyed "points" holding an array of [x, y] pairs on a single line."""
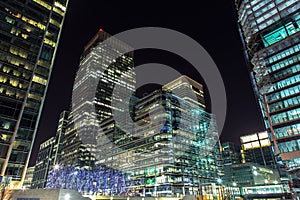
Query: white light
{"points": [[275, 182], [56, 166], [255, 173], [266, 181], [67, 196], [219, 180], [234, 184]]}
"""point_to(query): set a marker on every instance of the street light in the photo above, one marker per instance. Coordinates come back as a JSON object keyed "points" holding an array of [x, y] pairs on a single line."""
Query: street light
{"points": [[234, 184]]}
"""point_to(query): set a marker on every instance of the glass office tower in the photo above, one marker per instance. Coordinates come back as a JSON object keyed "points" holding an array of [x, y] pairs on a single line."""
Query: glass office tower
{"points": [[50, 153], [29, 35], [107, 61], [271, 33], [175, 147]]}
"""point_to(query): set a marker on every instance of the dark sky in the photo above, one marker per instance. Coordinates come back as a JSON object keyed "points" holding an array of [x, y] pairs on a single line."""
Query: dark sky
{"points": [[213, 25]]}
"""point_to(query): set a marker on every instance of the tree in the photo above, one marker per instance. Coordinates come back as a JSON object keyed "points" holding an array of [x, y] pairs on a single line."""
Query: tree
{"points": [[5, 192]]}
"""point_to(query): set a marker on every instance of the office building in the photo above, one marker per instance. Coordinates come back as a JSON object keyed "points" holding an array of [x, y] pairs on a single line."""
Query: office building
{"points": [[257, 148], [28, 177], [174, 149], [74, 152], [105, 61], [79, 146], [29, 36], [231, 153], [60, 135], [172, 153], [43, 163], [50, 153], [249, 174], [271, 35]]}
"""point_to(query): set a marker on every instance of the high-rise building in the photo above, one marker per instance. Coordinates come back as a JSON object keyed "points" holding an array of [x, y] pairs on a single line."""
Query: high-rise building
{"points": [[175, 147], [173, 153], [43, 163], [50, 153], [231, 153], [60, 134], [271, 35], [74, 152], [108, 62], [29, 36]]}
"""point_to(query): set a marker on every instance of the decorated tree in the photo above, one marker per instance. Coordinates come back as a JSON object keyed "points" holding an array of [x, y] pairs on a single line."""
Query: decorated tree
{"points": [[101, 180]]}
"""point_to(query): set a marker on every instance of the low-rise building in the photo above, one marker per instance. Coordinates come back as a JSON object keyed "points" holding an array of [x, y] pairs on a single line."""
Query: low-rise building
{"points": [[250, 174]]}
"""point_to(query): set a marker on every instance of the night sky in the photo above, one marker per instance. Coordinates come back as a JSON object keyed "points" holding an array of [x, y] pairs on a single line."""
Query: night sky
{"points": [[213, 25]]}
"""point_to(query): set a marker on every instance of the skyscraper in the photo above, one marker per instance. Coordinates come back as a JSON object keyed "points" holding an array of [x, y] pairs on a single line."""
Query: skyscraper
{"points": [[29, 36], [107, 61], [60, 134], [50, 153], [271, 35], [174, 149]]}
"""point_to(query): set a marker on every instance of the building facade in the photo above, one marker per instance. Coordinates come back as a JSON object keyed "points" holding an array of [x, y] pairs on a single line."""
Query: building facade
{"points": [[43, 163], [50, 153], [29, 36], [74, 152], [80, 143], [60, 135], [250, 174], [257, 148], [28, 177], [173, 149], [231, 153], [270, 30]]}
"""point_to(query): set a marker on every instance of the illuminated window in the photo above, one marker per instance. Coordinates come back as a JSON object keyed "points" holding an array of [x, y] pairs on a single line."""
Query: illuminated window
{"points": [[265, 143], [9, 20], [39, 80], [33, 96], [263, 135], [49, 42], [52, 21], [42, 3]]}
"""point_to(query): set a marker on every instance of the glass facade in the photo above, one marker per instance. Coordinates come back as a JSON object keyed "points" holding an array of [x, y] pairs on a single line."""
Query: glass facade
{"points": [[231, 153], [50, 153], [175, 148], [250, 174], [257, 148], [271, 33], [43, 164], [29, 35], [106, 61], [73, 152]]}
